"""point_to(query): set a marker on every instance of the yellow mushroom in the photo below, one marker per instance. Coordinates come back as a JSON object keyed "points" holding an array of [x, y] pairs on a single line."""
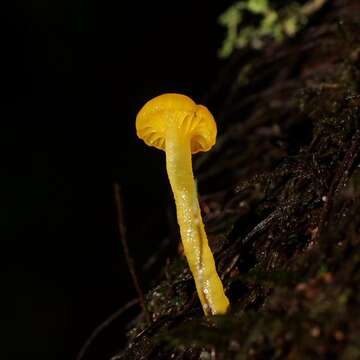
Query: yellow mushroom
{"points": [[175, 124]]}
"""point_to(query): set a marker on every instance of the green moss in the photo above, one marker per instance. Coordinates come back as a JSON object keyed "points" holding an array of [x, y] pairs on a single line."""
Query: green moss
{"points": [[266, 22]]}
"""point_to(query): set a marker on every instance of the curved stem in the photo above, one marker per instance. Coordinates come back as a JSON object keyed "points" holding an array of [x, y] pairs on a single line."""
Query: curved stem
{"points": [[201, 261]]}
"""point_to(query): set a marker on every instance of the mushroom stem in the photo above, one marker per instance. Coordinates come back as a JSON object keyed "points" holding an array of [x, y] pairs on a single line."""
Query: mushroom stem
{"points": [[199, 256]]}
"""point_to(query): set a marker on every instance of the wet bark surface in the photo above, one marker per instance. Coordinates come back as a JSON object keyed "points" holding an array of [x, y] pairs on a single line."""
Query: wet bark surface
{"points": [[280, 200]]}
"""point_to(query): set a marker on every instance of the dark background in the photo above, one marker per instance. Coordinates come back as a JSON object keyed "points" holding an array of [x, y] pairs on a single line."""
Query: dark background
{"points": [[73, 76]]}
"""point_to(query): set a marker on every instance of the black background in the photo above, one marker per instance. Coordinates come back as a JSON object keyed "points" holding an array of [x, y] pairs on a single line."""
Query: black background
{"points": [[73, 75]]}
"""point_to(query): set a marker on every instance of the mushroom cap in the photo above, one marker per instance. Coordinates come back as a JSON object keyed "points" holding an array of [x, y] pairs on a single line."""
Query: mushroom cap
{"points": [[176, 111]]}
